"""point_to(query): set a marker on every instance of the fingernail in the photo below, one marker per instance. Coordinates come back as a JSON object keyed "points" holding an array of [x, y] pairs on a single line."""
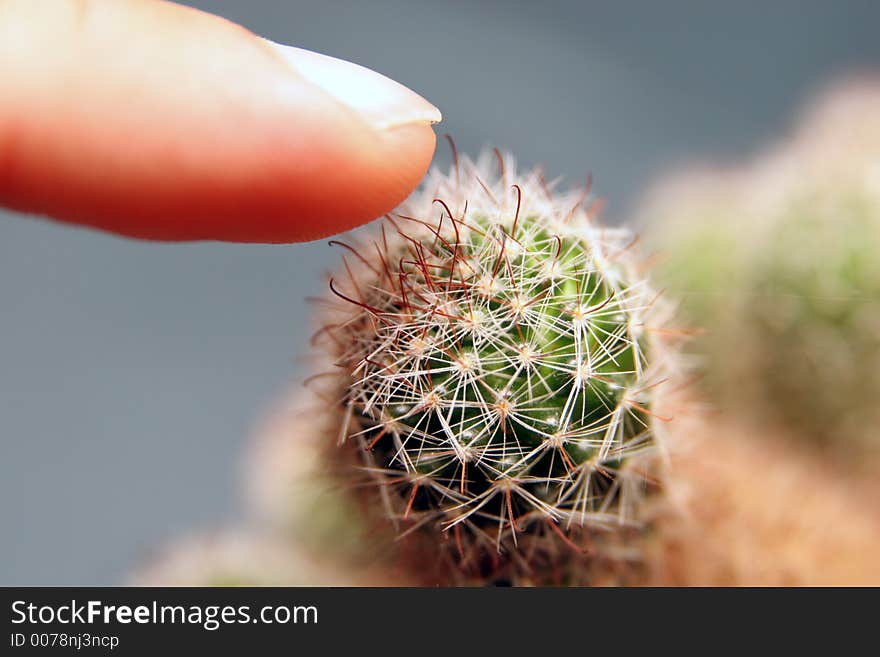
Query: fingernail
{"points": [[383, 102]]}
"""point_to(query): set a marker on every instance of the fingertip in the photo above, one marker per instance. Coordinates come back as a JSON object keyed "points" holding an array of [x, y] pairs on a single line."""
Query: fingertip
{"points": [[156, 121], [383, 176]]}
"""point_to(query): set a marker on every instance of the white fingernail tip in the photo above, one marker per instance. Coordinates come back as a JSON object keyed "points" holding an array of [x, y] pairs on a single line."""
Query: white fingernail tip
{"points": [[383, 102]]}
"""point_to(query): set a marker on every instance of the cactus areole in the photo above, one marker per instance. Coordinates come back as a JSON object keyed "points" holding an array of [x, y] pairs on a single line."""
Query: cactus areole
{"points": [[500, 366]]}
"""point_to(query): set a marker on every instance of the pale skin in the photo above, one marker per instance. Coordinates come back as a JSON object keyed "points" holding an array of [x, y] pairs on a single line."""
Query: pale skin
{"points": [[157, 121]]}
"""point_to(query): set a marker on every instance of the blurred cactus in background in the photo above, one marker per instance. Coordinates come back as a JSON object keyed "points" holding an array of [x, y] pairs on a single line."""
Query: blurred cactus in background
{"points": [[501, 355], [293, 485], [745, 508], [245, 557], [779, 262]]}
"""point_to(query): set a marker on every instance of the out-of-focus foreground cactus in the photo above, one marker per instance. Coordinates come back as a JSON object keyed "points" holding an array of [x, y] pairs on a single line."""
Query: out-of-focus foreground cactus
{"points": [[500, 357], [779, 262]]}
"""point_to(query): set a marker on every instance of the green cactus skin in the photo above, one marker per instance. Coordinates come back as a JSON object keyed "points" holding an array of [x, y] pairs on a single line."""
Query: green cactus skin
{"points": [[502, 359]]}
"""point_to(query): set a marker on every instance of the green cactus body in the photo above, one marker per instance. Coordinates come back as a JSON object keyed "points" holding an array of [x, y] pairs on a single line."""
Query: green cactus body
{"points": [[500, 353]]}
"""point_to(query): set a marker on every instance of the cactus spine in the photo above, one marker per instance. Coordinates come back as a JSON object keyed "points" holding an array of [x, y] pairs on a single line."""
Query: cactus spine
{"points": [[501, 356]]}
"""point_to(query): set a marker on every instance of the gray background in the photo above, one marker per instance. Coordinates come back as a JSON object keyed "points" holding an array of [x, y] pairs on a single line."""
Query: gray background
{"points": [[131, 374]]}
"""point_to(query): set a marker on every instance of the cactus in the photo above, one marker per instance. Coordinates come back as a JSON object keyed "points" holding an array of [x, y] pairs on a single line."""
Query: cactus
{"points": [[778, 261], [241, 556], [291, 483], [501, 356]]}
